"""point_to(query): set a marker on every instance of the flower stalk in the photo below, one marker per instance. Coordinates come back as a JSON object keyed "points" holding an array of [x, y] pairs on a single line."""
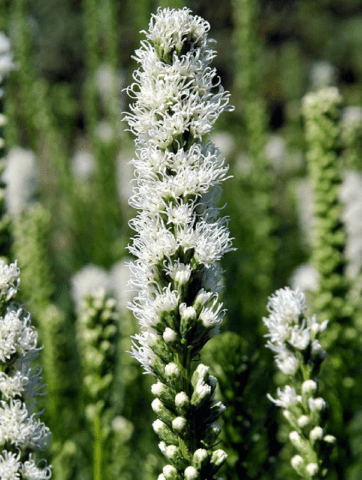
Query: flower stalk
{"points": [[294, 339], [321, 112], [180, 237]]}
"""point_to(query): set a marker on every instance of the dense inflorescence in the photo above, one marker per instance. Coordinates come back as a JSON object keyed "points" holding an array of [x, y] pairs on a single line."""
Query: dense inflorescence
{"points": [[180, 236]]}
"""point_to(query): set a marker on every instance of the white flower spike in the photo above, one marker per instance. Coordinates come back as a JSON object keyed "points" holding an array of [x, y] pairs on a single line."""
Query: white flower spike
{"points": [[179, 235]]}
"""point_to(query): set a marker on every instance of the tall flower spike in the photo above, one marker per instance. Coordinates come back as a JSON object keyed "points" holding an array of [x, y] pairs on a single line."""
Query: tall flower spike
{"points": [[321, 111], [294, 340], [179, 235], [21, 432]]}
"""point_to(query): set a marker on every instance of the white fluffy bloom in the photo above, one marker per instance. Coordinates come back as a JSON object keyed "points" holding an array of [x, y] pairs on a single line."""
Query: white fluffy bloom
{"points": [[285, 307], [288, 328], [17, 335], [20, 429], [31, 471], [9, 280], [9, 466], [286, 398], [22, 179]]}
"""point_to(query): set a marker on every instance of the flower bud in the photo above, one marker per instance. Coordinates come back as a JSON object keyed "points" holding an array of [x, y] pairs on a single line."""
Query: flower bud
{"points": [[200, 458], [312, 469], [212, 432], [295, 438], [297, 463], [170, 473], [164, 432], [179, 424], [182, 402], [201, 393], [309, 386], [316, 434], [303, 421], [158, 389], [165, 415], [201, 373], [172, 370], [163, 392], [169, 335], [218, 458], [191, 473], [188, 316], [316, 404], [329, 439]]}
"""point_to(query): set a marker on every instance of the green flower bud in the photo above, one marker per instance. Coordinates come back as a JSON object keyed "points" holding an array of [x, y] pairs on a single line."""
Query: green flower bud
{"points": [[171, 473], [182, 402], [164, 432], [200, 458], [165, 415], [218, 458]]}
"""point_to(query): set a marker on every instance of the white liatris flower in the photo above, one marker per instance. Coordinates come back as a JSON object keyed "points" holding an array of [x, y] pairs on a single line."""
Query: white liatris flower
{"points": [[294, 339], [9, 281], [21, 432], [180, 237]]}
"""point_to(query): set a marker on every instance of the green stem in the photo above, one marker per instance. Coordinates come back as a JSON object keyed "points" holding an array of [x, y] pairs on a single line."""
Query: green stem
{"points": [[97, 448]]}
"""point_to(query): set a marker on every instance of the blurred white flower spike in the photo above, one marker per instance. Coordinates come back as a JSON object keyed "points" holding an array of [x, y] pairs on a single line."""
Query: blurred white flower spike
{"points": [[21, 432], [180, 236], [6, 56]]}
